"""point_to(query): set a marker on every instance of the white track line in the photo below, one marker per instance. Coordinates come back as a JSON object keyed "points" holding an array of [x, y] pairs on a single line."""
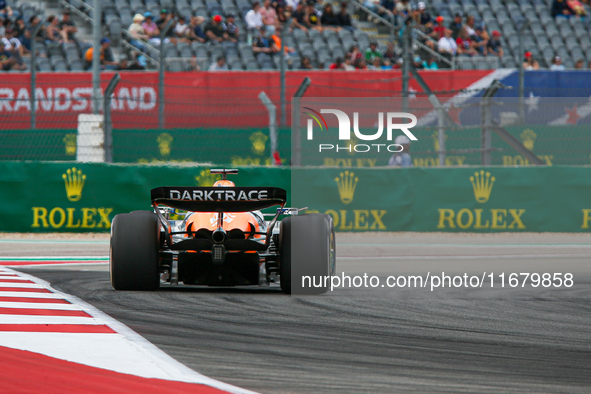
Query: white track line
{"points": [[25, 294], [26, 319], [465, 257], [125, 352], [34, 305], [20, 285]]}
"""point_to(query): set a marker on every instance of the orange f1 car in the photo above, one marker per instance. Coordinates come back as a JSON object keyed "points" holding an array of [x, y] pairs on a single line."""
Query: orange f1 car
{"points": [[222, 239]]}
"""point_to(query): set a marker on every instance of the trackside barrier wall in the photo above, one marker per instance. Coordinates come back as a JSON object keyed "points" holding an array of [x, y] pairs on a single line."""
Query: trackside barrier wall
{"points": [[84, 197]]}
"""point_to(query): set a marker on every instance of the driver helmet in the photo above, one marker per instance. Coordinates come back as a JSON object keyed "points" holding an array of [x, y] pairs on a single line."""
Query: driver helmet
{"points": [[224, 183]]}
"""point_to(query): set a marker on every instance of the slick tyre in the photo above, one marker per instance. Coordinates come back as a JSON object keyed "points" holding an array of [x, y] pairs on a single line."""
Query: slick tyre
{"points": [[307, 254], [134, 251]]}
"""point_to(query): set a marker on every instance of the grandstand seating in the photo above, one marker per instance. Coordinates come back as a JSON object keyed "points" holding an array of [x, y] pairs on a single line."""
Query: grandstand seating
{"points": [[544, 38]]}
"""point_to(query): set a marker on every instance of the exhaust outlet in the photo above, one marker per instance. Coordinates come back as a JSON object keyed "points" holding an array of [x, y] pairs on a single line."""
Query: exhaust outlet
{"points": [[218, 236]]}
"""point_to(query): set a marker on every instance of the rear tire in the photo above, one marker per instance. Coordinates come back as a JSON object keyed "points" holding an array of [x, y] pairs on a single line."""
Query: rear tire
{"points": [[307, 249], [134, 251]]}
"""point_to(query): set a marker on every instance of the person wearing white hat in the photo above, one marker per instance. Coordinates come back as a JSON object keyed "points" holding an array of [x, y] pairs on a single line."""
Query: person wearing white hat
{"points": [[137, 31], [402, 158]]}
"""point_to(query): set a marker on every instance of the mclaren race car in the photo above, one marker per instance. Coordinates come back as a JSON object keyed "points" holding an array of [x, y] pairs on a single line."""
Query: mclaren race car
{"points": [[218, 236]]}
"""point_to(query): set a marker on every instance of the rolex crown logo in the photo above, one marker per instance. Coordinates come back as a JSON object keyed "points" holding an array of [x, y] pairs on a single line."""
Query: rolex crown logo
{"points": [[206, 179], [346, 182], [528, 137], [70, 141], [164, 142], [259, 140], [74, 180], [482, 184], [435, 137]]}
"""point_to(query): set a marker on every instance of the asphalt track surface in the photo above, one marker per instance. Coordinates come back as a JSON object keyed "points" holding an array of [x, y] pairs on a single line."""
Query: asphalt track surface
{"points": [[369, 340]]}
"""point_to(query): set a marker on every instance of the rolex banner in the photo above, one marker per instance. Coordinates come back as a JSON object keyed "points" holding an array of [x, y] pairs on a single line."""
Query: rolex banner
{"points": [[84, 197]]}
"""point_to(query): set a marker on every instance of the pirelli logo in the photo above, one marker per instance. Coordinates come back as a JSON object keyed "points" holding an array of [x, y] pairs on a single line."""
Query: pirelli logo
{"points": [[218, 195]]}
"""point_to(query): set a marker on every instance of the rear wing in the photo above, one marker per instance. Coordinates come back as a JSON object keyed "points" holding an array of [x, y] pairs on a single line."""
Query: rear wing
{"points": [[219, 199]]}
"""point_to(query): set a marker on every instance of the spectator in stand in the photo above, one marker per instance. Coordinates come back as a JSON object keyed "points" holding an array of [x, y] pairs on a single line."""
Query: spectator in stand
{"points": [[428, 29], [417, 62], [344, 18], [578, 8], [106, 56], [25, 40], [404, 8], [560, 8], [5, 10], [253, 19], [68, 27], [281, 15], [195, 30], [376, 64], [425, 16], [328, 19], [371, 5], [12, 44], [232, 33], [466, 46], [529, 63], [306, 64], [481, 39], [439, 28], [557, 64], [372, 52], [388, 5], [33, 22], [268, 16], [390, 53], [312, 17], [348, 65], [355, 53], [470, 25], [151, 29], [494, 46], [299, 17], [19, 28], [579, 64], [163, 20], [589, 65], [219, 65], [215, 30], [137, 32], [264, 43], [53, 33], [360, 64], [338, 64], [8, 61], [456, 25], [386, 65], [447, 45], [182, 29], [430, 64]]}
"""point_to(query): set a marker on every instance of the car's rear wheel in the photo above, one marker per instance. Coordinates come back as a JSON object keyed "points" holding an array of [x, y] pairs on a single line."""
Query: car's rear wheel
{"points": [[134, 251], [307, 253]]}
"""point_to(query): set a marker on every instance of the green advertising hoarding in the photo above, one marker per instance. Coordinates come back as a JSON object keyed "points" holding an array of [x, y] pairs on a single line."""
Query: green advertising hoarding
{"points": [[84, 197]]}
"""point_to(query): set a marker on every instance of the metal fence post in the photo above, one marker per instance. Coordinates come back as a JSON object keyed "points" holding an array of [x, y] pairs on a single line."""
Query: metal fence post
{"points": [[485, 137], [521, 71], [441, 134], [34, 76], [272, 122], [161, 67], [282, 74], [107, 115], [406, 59], [96, 56], [296, 144]]}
